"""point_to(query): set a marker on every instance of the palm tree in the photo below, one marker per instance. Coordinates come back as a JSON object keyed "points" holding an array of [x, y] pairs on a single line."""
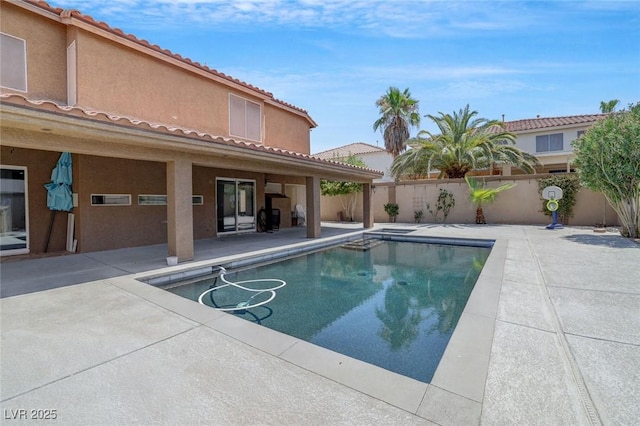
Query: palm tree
{"points": [[398, 113], [610, 106], [464, 144], [479, 194]]}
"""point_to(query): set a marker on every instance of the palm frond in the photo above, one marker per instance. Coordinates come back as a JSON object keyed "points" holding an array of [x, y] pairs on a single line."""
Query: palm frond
{"points": [[466, 142], [479, 194]]}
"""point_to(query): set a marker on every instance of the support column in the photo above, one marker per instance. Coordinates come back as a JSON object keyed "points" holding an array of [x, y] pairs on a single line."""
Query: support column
{"points": [[313, 207], [180, 209], [367, 206]]}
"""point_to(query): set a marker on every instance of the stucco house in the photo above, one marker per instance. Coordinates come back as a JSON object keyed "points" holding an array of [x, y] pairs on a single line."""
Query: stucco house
{"points": [[549, 139], [164, 149], [373, 156]]}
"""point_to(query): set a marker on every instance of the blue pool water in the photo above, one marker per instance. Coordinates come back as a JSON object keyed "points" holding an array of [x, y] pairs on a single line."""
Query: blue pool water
{"points": [[395, 305]]}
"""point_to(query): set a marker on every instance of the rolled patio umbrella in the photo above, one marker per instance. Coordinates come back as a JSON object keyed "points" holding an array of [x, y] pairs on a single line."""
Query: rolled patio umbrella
{"points": [[59, 197]]}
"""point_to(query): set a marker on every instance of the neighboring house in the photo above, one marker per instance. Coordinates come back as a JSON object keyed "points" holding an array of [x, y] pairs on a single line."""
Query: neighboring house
{"points": [[164, 150], [549, 139], [373, 156]]}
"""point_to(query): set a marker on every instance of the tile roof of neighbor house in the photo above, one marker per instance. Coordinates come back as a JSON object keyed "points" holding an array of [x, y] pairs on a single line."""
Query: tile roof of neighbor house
{"points": [[75, 111], [527, 124], [546, 122], [73, 13], [347, 150]]}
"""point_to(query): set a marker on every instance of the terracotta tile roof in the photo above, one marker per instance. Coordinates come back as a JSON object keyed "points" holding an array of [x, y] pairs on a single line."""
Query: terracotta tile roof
{"points": [[347, 150], [73, 13], [545, 122], [75, 111]]}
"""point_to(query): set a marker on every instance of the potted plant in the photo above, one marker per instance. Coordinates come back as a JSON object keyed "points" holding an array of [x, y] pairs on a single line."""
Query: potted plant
{"points": [[392, 210], [417, 215]]}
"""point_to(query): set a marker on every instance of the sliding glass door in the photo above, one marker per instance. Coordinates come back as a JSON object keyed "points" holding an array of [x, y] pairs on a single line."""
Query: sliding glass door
{"points": [[14, 236], [236, 200]]}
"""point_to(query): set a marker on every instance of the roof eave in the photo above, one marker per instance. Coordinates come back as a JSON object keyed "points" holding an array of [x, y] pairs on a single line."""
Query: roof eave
{"points": [[162, 140], [72, 17]]}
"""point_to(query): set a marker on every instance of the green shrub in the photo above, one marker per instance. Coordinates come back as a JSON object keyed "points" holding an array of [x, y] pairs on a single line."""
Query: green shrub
{"points": [[608, 161], [392, 210]]}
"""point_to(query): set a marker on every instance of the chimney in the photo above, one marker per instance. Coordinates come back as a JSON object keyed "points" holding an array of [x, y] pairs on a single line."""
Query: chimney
{"points": [[502, 118]]}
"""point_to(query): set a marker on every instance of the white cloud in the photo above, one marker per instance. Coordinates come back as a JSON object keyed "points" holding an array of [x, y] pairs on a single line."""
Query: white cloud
{"points": [[417, 72], [401, 18], [479, 89]]}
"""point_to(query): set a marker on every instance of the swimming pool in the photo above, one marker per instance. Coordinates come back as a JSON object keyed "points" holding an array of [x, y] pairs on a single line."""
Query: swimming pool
{"points": [[389, 303]]}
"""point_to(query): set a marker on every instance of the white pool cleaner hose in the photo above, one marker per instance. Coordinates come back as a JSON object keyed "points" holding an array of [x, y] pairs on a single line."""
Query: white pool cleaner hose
{"points": [[246, 304]]}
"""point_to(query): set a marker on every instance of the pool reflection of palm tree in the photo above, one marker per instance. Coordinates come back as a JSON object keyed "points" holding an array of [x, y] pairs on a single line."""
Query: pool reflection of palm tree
{"points": [[405, 302], [446, 307], [400, 317]]}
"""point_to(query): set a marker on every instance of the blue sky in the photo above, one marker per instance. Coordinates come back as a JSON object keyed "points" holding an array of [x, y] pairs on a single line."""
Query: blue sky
{"points": [[335, 58]]}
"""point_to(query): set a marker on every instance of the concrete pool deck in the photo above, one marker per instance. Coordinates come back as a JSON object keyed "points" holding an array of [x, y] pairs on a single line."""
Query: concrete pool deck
{"points": [[552, 338]]}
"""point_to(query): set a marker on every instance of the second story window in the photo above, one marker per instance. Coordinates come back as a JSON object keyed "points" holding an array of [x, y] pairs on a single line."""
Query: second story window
{"points": [[547, 143], [244, 118], [13, 63]]}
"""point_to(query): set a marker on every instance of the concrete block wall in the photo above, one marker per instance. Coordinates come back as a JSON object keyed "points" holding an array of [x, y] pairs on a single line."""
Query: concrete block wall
{"points": [[519, 205]]}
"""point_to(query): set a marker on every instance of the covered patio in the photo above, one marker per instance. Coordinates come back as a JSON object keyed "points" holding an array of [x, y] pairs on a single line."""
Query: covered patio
{"points": [[128, 158]]}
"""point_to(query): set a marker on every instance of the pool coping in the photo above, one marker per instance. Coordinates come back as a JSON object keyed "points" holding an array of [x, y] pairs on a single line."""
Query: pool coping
{"points": [[459, 380]]}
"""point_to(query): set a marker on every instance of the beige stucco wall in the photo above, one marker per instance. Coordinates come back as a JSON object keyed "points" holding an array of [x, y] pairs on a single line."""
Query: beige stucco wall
{"points": [[122, 80], [519, 205], [46, 52], [108, 227], [113, 77], [119, 79], [102, 227], [39, 165], [286, 131]]}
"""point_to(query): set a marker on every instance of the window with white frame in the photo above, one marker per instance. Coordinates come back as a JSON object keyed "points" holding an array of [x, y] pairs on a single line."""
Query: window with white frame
{"points": [[161, 200], [547, 143], [14, 210], [13, 66], [244, 118], [110, 199], [152, 200]]}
